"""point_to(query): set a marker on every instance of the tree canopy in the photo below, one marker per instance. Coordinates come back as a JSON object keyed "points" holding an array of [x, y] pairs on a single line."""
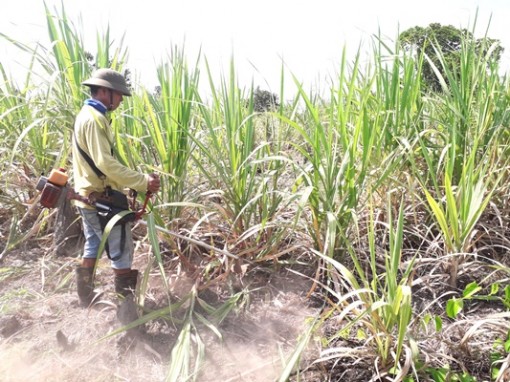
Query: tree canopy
{"points": [[448, 40], [264, 100]]}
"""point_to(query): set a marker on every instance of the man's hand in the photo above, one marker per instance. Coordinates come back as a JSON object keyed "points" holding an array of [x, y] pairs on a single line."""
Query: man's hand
{"points": [[154, 183]]}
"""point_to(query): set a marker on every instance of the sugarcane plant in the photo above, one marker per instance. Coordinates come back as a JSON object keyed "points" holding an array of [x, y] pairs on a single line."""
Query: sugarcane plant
{"points": [[240, 169], [338, 140], [377, 300], [462, 151], [157, 129]]}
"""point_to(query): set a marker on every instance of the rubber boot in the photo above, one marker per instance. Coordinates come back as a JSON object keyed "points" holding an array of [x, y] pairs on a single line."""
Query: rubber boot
{"points": [[85, 285], [125, 286]]}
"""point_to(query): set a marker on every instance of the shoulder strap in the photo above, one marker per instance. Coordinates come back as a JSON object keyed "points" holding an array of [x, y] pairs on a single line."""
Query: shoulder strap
{"points": [[88, 159]]}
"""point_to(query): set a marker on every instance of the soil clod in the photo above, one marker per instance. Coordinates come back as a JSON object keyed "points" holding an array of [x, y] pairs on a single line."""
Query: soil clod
{"points": [[9, 325]]}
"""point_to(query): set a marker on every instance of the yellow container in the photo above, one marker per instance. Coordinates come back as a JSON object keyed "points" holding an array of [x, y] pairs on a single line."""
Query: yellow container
{"points": [[58, 177]]}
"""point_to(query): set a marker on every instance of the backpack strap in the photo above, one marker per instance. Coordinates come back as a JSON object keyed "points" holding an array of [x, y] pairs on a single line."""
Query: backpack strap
{"points": [[101, 176], [88, 159]]}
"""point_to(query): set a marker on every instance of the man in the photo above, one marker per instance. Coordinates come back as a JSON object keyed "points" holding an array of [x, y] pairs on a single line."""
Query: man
{"points": [[96, 170]]}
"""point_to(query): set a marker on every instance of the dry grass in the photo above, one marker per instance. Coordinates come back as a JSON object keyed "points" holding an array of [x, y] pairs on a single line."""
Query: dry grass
{"points": [[46, 336]]}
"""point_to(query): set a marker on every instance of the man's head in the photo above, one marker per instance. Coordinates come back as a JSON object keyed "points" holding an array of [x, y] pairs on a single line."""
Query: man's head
{"points": [[108, 86]]}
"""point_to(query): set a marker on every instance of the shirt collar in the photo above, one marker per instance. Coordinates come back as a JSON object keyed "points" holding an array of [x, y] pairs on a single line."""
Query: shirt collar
{"points": [[98, 105]]}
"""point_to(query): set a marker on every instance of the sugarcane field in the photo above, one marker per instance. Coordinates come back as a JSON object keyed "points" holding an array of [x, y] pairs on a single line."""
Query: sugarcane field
{"points": [[358, 232]]}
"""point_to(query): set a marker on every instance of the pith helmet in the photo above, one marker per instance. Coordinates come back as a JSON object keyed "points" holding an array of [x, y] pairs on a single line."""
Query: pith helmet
{"points": [[108, 78]]}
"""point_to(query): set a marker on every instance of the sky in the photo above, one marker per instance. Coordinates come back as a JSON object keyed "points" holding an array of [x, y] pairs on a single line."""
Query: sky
{"points": [[307, 36]]}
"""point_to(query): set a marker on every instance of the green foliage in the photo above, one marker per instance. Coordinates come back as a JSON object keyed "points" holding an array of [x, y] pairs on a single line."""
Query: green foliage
{"points": [[471, 292], [242, 171], [269, 175], [264, 101], [454, 307], [447, 41], [399, 92], [461, 151], [444, 374], [439, 374], [229, 145], [501, 350], [157, 130], [338, 140], [380, 302], [40, 118]]}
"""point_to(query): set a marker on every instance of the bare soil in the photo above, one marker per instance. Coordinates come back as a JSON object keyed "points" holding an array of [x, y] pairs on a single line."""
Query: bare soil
{"points": [[46, 336]]}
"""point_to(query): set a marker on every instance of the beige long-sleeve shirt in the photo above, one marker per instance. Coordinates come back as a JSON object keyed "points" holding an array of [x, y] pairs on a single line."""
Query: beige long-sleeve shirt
{"points": [[94, 136]]}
